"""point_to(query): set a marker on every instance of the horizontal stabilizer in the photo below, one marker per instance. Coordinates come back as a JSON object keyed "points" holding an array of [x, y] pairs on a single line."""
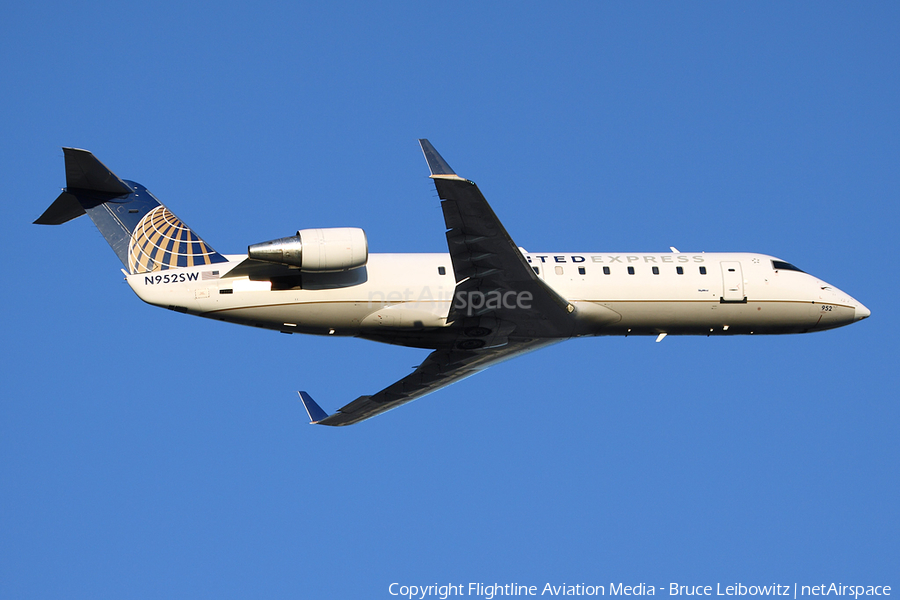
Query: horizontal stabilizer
{"points": [[65, 208], [314, 411], [85, 172]]}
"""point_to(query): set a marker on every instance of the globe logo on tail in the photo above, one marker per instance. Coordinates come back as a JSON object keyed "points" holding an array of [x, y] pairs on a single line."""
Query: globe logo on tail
{"points": [[162, 241]]}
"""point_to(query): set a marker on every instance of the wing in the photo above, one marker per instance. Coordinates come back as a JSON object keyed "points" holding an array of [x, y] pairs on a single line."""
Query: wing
{"points": [[493, 279], [440, 369], [501, 309]]}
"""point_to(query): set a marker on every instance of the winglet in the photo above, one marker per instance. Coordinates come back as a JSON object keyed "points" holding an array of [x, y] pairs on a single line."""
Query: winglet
{"points": [[314, 411], [436, 163]]}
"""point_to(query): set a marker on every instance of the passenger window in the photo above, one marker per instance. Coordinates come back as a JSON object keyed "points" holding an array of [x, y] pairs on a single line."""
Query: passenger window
{"points": [[536, 270], [442, 271], [656, 270], [606, 270], [558, 270], [703, 270], [679, 270], [631, 270], [581, 270]]}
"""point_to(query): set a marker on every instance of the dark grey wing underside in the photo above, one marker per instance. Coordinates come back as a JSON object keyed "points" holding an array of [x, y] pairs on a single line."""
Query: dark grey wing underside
{"points": [[501, 308], [440, 368], [487, 262]]}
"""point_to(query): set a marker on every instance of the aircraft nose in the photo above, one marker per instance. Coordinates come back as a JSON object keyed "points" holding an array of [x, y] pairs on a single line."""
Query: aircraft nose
{"points": [[861, 311]]}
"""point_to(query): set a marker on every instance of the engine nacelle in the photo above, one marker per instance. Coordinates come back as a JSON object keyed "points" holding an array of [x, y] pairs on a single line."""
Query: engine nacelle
{"points": [[317, 250]]}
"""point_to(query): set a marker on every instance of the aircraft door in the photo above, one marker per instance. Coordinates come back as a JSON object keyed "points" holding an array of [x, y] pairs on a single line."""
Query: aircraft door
{"points": [[732, 282]]}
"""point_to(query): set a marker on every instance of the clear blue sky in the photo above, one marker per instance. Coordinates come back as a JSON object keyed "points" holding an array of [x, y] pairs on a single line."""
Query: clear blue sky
{"points": [[146, 454]]}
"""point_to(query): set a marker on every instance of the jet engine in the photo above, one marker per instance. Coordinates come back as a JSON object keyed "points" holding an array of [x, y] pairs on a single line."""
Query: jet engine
{"points": [[316, 250]]}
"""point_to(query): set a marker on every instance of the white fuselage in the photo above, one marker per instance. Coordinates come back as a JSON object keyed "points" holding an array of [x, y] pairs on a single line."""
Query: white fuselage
{"points": [[613, 294]]}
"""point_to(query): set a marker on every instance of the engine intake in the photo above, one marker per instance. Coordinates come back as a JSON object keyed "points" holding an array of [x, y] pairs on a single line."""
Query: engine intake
{"points": [[317, 250]]}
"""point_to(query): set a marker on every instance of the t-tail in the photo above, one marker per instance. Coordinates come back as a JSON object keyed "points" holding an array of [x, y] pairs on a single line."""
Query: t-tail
{"points": [[142, 232]]}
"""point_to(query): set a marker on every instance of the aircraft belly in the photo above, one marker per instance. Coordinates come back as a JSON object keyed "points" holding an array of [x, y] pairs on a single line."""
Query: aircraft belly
{"points": [[594, 317], [717, 318], [337, 318], [653, 317], [293, 313], [415, 315]]}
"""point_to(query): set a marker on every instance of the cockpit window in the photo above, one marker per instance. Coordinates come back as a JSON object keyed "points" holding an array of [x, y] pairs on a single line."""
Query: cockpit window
{"points": [[780, 265]]}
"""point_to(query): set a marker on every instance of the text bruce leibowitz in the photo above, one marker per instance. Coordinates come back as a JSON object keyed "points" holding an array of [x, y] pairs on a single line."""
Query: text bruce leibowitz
{"points": [[490, 591]]}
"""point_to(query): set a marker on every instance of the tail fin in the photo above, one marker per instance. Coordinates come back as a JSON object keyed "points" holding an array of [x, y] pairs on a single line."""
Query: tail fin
{"points": [[142, 232]]}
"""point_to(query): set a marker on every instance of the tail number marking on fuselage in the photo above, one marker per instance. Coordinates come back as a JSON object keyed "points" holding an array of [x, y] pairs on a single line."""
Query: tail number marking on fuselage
{"points": [[170, 278]]}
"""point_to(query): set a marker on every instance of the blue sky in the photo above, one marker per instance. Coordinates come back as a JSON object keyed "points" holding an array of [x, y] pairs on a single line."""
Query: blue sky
{"points": [[146, 454]]}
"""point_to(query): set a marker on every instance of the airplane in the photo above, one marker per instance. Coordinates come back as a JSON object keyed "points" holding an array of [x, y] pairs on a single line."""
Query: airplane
{"points": [[485, 301]]}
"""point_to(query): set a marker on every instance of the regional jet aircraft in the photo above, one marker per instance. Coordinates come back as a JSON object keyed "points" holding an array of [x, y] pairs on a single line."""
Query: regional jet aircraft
{"points": [[485, 301]]}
